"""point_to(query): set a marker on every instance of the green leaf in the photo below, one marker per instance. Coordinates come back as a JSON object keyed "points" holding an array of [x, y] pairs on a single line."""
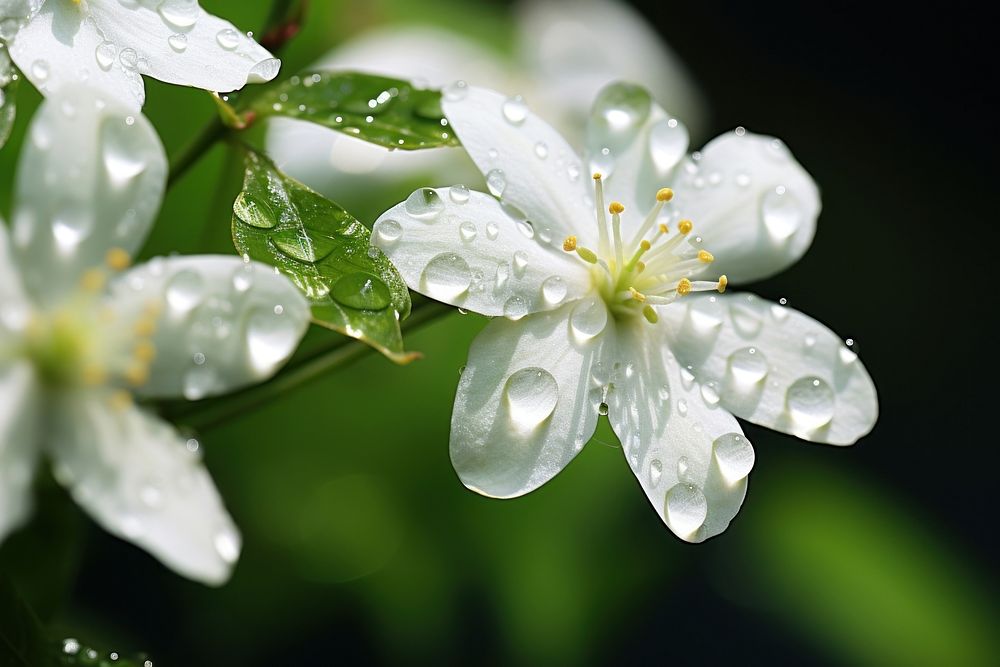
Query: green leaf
{"points": [[8, 87], [325, 251], [21, 640], [389, 112]]}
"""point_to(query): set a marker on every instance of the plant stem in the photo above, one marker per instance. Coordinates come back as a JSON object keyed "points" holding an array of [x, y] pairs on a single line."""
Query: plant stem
{"points": [[340, 353], [211, 133]]}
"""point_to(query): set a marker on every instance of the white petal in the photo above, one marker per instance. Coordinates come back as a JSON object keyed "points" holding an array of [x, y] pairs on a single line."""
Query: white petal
{"points": [[574, 50], [751, 202], [223, 323], [110, 45], [461, 247], [90, 178], [689, 454], [774, 366], [526, 404], [636, 146], [526, 163], [14, 307], [134, 474], [19, 447]]}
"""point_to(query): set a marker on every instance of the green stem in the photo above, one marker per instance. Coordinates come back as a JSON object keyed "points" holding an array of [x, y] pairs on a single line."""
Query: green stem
{"points": [[338, 354], [193, 152]]}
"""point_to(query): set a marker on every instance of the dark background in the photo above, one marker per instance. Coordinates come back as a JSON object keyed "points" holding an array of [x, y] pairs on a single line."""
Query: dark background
{"points": [[882, 553]]}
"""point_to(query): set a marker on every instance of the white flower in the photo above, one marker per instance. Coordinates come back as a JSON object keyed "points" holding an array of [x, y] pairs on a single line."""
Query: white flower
{"points": [[110, 44], [80, 336], [608, 316], [565, 53]]}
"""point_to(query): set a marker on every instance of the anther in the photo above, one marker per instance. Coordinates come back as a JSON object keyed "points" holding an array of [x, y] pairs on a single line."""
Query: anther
{"points": [[597, 176], [636, 294], [93, 280], [723, 281], [706, 256], [645, 245], [144, 351], [663, 228], [587, 255], [117, 259], [685, 226], [94, 375], [650, 314], [136, 375], [640, 267], [616, 208], [684, 286], [120, 400], [569, 245], [145, 326], [664, 194]]}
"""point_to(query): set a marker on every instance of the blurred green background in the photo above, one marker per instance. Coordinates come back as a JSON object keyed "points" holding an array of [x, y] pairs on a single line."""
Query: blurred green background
{"points": [[360, 544]]}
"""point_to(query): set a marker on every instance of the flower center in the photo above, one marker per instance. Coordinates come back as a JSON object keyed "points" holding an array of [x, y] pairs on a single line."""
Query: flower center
{"points": [[654, 268]]}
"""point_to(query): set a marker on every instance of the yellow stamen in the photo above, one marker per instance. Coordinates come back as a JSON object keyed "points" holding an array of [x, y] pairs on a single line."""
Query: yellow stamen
{"points": [[136, 375], [723, 281], [663, 228], [664, 194], [616, 207], [93, 280], [597, 176], [650, 314], [120, 400], [569, 245], [145, 326], [94, 375], [684, 286], [117, 259], [640, 267], [645, 245], [636, 294], [685, 226], [706, 256], [144, 351]]}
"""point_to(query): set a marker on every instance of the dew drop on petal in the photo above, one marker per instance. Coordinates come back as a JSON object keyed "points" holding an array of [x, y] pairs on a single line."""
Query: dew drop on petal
{"points": [[655, 471], [520, 263], [446, 276], [782, 213], [178, 42], [388, 231], [589, 318], [459, 194], [264, 71], [531, 395], [467, 230], [515, 110], [810, 402], [668, 142], [710, 394], [40, 70], [734, 456], [129, 58], [541, 150], [686, 508], [228, 38], [424, 204], [455, 91], [185, 290], [270, 338], [747, 367], [492, 231], [496, 182], [554, 290], [515, 307]]}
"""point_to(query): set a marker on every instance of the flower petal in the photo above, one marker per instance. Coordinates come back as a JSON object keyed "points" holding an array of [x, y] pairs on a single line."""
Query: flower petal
{"points": [[576, 49], [90, 178], [635, 145], [14, 307], [525, 404], [110, 45], [461, 247], [751, 202], [223, 323], [774, 366], [526, 162], [689, 455], [134, 474], [19, 403]]}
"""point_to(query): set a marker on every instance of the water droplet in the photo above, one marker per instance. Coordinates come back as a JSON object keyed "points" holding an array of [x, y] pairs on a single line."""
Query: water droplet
{"points": [[446, 276], [710, 394], [779, 312], [747, 367], [682, 407], [531, 395], [589, 318], [254, 211], [734, 455], [264, 71], [361, 291], [526, 228], [467, 230], [198, 382], [603, 409], [185, 290], [71, 646], [746, 319], [388, 231], [198, 358], [810, 401], [668, 142], [179, 13], [459, 194], [40, 70], [515, 307], [496, 182], [455, 91], [687, 377], [782, 213], [424, 204], [541, 150], [686, 508], [503, 274], [228, 39], [178, 42], [554, 290], [270, 339], [655, 471], [8, 28], [515, 110], [847, 355], [809, 340], [151, 495], [520, 262], [128, 58], [227, 545], [742, 180], [492, 231]]}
